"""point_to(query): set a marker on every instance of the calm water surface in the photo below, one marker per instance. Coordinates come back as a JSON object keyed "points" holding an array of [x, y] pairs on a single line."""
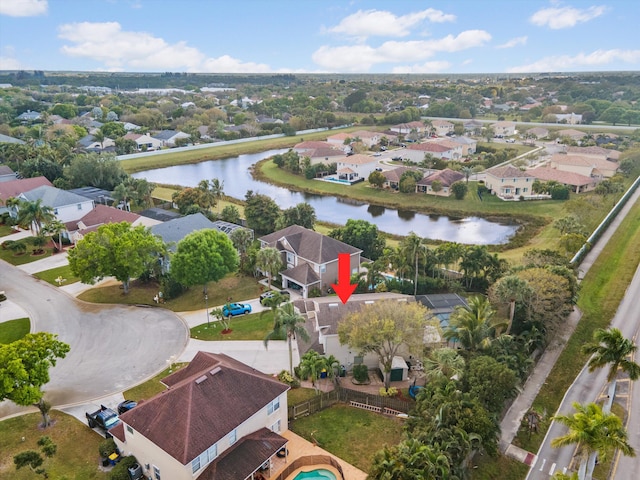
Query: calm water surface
{"points": [[236, 174]]}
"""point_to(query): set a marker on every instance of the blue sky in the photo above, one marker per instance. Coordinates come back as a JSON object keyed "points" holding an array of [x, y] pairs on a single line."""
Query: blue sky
{"points": [[314, 36]]}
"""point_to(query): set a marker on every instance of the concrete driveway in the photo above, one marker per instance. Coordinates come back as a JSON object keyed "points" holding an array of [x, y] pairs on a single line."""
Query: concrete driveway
{"points": [[112, 346]]}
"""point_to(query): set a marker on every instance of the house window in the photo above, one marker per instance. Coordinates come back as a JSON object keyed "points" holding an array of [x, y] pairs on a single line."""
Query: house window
{"points": [[195, 465], [323, 268], [212, 452], [129, 429], [289, 257], [79, 206], [273, 406], [233, 437], [156, 473], [525, 190], [55, 211], [276, 427]]}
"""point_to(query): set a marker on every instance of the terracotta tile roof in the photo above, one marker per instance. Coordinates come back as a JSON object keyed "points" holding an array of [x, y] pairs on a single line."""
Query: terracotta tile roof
{"points": [[394, 175], [428, 147], [358, 159], [245, 457], [307, 244], [13, 188], [579, 160], [604, 152], [323, 152], [568, 178], [441, 123], [205, 401], [101, 215], [508, 171], [570, 132], [312, 145], [446, 177]]}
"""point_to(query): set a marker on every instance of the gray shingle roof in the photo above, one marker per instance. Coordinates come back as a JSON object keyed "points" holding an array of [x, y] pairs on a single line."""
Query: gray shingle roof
{"points": [[175, 230], [54, 197]]}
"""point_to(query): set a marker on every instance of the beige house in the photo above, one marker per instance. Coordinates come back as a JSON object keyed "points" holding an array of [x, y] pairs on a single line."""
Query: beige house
{"points": [[457, 148], [509, 182], [321, 152], [310, 258], [442, 128], [406, 128], [416, 151], [572, 134], [445, 178], [354, 167], [469, 145], [394, 175], [504, 129], [218, 419], [594, 152], [537, 132], [339, 138], [576, 182], [587, 166], [144, 142]]}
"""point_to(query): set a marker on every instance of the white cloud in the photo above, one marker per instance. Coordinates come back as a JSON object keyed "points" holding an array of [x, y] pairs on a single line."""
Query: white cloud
{"points": [[23, 8], [427, 67], [365, 23], [117, 50], [565, 17], [360, 58], [579, 62], [8, 63], [514, 42]]}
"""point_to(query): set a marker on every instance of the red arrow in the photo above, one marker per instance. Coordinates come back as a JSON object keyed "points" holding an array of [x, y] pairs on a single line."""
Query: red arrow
{"points": [[344, 288]]}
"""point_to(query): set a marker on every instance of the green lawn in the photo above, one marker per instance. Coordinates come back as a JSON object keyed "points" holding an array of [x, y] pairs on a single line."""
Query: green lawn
{"points": [[27, 257], [13, 330], [255, 326], [242, 288], [299, 395], [151, 387], [6, 230], [77, 455], [351, 434], [484, 467], [64, 272]]}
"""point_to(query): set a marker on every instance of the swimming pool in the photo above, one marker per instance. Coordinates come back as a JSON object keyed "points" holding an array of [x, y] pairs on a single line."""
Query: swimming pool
{"points": [[318, 474]]}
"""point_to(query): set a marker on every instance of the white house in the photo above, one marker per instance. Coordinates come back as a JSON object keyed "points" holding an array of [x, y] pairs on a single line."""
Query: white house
{"points": [[144, 142], [416, 151], [504, 129], [67, 206], [357, 166], [218, 419]]}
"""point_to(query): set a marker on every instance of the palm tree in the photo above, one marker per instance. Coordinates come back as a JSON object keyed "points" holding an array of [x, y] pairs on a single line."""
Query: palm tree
{"points": [[512, 289], [311, 366], [34, 215], [217, 189], [611, 348], [472, 325], [413, 249], [594, 432], [241, 239], [467, 171], [444, 363], [269, 261], [288, 322]]}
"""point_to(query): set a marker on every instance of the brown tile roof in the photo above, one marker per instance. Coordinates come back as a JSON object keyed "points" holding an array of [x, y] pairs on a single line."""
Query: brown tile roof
{"points": [[358, 159], [13, 188], [245, 457], [312, 145], [508, 171], [205, 401], [308, 244], [570, 132], [302, 274], [446, 177], [395, 174], [568, 178], [605, 152], [428, 147], [101, 215], [579, 160], [323, 152]]}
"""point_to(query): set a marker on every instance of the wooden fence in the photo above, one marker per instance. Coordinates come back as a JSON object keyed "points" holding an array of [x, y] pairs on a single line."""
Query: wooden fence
{"points": [[346, 395]]}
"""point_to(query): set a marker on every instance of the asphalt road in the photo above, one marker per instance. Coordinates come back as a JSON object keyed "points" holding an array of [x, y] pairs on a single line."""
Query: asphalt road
{"points": [[112, 347]]}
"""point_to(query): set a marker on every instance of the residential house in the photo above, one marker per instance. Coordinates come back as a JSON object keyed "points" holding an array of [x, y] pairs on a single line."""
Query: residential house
{"points": [[504, 129], [29, 116], [416, 151], [130, 127], [7, 139], [444, 178], [576, 182], [537, 132], [594, 152], [456, 148], [509, 182], [6, 174], [572, 134], [339, 139], [323, 316], [145, 143], [89, 144], [368, 138], [320, 152], [101, 215], [569, 118], [310, 258], [356, 167], [394, 175], [473, 126], [66, 206], [587, 166], [13, 188], [419, 128], [169, 137], [218, 420], [469, 145], [442, 128]]}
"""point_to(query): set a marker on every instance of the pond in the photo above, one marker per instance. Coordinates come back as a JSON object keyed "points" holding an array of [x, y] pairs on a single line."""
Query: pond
{"points": [[236, 174]]}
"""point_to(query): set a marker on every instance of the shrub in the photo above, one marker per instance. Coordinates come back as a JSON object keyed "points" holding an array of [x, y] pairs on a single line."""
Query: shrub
{"points": [[391, 392], [170, 288], [361, 373], [107, 447], [121, 470], [286, 377]]}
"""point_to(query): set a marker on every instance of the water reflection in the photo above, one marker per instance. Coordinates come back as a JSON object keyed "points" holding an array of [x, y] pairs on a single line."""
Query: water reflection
{"points": [[236, 174]]}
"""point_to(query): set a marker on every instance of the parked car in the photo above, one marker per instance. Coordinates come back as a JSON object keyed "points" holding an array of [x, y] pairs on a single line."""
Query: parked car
{"points": [[397, 159], [126, 406], [233, 309], [271, 293]]}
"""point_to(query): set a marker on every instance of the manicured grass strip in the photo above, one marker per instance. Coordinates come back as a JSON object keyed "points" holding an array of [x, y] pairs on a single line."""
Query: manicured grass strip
{"points": [[352, 434], [601, 291], [6, 230], [27, 257], [255, 326], [299, 395], [76, 457], [484, 467], [243, 288], [151, 387], [13, 330], [64, 273]]}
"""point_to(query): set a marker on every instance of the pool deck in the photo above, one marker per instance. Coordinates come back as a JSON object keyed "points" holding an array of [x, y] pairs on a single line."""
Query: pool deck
{"points": [[299, 447]]}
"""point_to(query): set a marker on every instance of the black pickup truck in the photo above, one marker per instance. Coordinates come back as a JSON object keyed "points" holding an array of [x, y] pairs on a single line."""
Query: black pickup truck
{"points": [[105, 418]]}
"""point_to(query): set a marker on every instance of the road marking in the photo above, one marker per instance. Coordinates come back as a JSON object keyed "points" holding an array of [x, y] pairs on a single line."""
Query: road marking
{"points": [[553, 467], [564, 470], [544, 460]]}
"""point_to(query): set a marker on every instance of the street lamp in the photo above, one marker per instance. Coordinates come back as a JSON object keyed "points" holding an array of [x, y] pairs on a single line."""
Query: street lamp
{"points": [[206, 304]]}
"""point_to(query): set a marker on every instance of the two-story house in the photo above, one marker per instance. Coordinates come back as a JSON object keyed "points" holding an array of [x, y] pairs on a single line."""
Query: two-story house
{"points": [[504, 129], [310, 258], [416, 151], [587, 166], [356, 167], [509, 182], [442, 128], [218, 420], [66, 206]]}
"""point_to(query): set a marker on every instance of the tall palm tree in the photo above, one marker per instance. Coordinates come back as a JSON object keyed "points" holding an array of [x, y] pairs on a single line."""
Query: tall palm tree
{"points": [[444, 363], [594, 432], [414, 249], [53, 228], [311, 366], [472, 325], [288, 322], [217, 190], [512, 289], [269, 261], [611, 348], [242, 239], [34, 215]]}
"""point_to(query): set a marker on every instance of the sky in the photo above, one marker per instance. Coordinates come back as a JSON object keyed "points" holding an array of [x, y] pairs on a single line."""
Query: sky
{"points": [[320, 36]]}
